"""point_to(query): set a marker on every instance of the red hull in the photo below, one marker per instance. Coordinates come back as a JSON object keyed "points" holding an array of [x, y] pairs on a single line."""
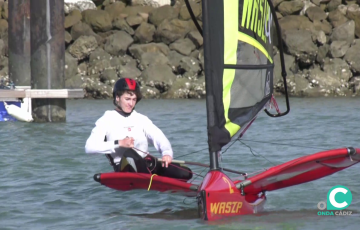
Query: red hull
{"points": [[125, 181], [220, 198]]}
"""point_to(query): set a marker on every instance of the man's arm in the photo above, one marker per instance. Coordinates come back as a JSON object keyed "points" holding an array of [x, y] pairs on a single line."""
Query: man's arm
{"points": [[159, 140], [95, 144]]}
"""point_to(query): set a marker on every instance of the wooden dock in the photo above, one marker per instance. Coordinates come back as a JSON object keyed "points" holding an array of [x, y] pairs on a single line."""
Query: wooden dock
{"points": [[15, 94]]}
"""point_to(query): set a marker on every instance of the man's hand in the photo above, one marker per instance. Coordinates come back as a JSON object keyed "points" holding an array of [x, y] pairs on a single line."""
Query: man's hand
{"points": [[128, 142], [166, 160]]}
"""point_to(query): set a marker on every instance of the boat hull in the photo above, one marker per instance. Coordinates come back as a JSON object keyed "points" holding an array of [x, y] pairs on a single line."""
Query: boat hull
{"points": [[218, 198]]}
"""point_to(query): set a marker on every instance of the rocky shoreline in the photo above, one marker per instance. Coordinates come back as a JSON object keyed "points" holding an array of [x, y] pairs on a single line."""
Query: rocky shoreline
{"points": [[161, 48]]}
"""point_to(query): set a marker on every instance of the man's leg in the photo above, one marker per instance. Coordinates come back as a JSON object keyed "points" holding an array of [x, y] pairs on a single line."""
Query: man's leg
{"points": [[131, 161], [174, 170]]}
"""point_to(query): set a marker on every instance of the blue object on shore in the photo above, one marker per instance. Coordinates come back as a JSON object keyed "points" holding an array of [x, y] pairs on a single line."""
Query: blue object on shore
{"points": [[4, 116]]}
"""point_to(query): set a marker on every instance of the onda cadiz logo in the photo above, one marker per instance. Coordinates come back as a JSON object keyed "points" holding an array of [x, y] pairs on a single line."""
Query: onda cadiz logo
{"points": [[338, 198]]}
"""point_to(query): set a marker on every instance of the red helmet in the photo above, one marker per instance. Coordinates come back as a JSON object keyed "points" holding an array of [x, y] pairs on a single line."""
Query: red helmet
{"points": [[127, 84]]}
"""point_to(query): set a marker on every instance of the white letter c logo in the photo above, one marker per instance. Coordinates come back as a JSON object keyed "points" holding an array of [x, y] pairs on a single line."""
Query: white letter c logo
{"points": [[332, 197]]}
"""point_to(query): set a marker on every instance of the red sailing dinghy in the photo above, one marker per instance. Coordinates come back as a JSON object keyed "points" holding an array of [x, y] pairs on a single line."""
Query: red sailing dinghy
{"points": [[238, 45]]}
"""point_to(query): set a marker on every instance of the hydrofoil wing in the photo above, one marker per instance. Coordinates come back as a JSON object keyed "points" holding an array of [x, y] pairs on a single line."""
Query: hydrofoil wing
{"points": [[301, 170]]}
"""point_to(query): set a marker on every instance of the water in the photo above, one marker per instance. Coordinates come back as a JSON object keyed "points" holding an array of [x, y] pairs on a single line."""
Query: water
{"points": [[46, 178]]}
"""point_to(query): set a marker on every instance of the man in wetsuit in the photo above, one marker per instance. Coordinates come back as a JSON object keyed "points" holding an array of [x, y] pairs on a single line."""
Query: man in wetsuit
{"points": [[127, 132]]}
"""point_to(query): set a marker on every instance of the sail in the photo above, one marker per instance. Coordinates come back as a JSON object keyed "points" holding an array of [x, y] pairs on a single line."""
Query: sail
{"points": [[238, 61]]}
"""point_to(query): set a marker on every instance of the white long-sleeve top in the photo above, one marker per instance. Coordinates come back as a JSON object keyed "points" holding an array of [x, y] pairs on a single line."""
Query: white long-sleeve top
{"points": [[115, 126]]}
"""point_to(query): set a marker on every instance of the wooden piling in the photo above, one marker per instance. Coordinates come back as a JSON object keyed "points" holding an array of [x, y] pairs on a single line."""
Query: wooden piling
{"points": [[47, 57], [19, 42]]}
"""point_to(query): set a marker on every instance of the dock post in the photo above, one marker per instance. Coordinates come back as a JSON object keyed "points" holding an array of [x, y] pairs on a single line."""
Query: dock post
{"points": [[47, 57], [19, 42]]}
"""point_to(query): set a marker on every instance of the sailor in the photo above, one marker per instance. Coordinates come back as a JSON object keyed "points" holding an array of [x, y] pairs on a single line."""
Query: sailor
{"points": [[122, 135]]}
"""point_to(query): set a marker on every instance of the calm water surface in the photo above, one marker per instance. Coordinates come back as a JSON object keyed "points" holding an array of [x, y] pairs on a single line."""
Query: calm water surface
{"points": [[47, 179]]}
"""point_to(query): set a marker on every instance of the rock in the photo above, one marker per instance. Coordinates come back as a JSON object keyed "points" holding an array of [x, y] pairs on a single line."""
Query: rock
{"points": [[145, 16], [144, 33], [195, 54], [336, 18], [277, 2], [83, 29], [147, 59], [159, 76], [299, 43], [315, 13], [134, 20], [170, 31], [339, 68], [316, 2], [307, 5], [74, 82], [289, 64], [157, 16], [333, 5], [73, 18], [324, 79], [353, 13], [2, 48], [150, 92], [152, 3], [3, 28], [129, 71], [174, 60], [99, 61], [184, 88], [118, 43], [81, 5], [99, 54], [184, 12], [290, 7], [292, 22], [196, 38], [109, 77], [189, 67], [343, 9], [137, 50], [96, 89], [135, 10], [82, 69], [354, 85], [344, 32], [82, 47], [121, 24], [323, 26], [322, 53], [183, 46], [71, 64], [352, 57], [115, 9], [5, 11], [68, 38], [338, 48], [321, 37], [99, 20]]}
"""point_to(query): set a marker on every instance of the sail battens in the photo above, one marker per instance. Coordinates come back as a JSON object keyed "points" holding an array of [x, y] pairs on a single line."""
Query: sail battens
{"points": [[267, 66], [252, 41]]}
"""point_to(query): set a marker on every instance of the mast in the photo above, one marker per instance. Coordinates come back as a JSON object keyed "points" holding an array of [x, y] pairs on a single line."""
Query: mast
{"points": [[210, 74]]}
